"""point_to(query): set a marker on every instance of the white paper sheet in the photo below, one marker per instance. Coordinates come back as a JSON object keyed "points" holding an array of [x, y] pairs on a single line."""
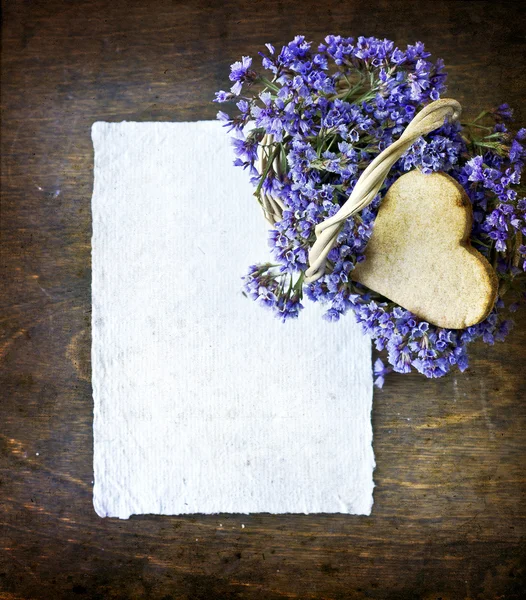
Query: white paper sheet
{"points": [[203, 401]]}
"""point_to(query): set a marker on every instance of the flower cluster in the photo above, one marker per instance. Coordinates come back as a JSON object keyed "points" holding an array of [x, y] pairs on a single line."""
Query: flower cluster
{"points": [[274, 289], [330, 110]]}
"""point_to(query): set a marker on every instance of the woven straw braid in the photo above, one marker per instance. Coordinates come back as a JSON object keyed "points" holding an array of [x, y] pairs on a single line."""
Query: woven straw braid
{"points": [[272, 206], [428, 119]]}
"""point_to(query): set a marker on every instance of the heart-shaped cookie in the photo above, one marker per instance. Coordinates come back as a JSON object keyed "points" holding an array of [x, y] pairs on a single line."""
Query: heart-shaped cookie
{"points": [[420, 257]]}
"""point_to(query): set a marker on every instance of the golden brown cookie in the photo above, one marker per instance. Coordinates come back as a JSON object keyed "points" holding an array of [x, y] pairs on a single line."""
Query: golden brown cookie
{"points": [[420, 257]]}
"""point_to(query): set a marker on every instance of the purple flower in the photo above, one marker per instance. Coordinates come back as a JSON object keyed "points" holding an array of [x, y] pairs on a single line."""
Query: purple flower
{"points": [[504, 112], [328, 130], [241, 73], [380, 371], [222, 96]]}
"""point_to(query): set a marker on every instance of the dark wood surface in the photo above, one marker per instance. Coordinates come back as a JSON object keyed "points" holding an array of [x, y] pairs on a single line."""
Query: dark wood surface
{"points": [[449, 514]]}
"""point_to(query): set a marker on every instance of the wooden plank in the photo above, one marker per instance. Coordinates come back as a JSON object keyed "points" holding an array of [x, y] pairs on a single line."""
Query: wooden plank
{"points": [[449, 515]]}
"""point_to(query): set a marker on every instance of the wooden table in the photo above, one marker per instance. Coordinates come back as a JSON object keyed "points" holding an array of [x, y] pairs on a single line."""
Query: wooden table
{"points": [[449, 514]]}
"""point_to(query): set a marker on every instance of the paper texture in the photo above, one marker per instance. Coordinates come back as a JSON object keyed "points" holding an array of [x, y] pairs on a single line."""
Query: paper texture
{"points": [[203, 401]]}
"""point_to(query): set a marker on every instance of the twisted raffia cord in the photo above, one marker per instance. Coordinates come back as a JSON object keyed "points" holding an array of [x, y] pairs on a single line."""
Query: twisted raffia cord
{"points": [[428, 119], [272, 206]]}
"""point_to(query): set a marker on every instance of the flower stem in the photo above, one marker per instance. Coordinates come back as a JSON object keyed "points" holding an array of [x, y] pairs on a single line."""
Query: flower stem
{"points": [[269, 83], [267, 169]]}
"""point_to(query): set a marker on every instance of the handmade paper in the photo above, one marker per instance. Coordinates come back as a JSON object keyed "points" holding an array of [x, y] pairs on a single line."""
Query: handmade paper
{"points": [[204, 402]]}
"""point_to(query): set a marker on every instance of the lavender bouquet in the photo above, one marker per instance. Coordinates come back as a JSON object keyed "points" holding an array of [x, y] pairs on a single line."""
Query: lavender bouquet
{"points": [[324, 115]]}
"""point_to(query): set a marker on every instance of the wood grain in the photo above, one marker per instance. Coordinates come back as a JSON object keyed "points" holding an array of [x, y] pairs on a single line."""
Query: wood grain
{"points": [[449, 514]]}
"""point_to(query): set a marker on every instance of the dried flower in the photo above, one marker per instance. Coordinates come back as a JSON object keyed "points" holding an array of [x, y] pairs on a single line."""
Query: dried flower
{"points": [[330, 111]]}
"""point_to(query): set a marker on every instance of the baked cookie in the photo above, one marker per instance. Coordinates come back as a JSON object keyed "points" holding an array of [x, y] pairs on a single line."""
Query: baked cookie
{"points": [[420, 257]]}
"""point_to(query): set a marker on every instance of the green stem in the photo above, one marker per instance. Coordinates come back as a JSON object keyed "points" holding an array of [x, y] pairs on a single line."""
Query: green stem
{"points": [[482, 114], [269, 83], [267, 169], [493, 135], [299, 284], [473, 124]]}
